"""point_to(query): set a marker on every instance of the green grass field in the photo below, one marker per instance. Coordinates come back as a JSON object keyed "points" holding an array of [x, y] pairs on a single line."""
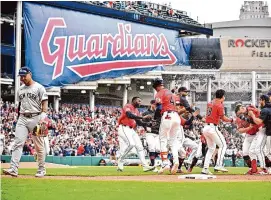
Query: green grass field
{"points": [[50, 189], [111, 171]]}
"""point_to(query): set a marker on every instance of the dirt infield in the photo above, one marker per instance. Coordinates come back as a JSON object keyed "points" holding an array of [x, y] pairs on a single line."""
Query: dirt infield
{"points": [[159, 178], [148, 178]]}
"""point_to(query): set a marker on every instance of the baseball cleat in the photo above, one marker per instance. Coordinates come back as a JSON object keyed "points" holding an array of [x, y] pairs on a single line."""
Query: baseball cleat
{"points": [[249, 172], [119, 170], [120, 166], [148, 168], [155, 170], [189, 170], [10, 172], [262, 171], [180, 171], [269, 170], [174, 168], [206, 171], [40, 173], [164, 168], [221, 169]]}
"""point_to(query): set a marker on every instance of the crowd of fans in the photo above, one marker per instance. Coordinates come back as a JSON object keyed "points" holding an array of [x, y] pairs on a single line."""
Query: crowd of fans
{"points": [[148, 9], [72, 132]]}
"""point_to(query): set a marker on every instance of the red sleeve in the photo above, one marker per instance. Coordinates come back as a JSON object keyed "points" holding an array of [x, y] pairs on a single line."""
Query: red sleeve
{"points": [[183, 120], [127, 108], [238, 123], [254, 110], [221, 110]]}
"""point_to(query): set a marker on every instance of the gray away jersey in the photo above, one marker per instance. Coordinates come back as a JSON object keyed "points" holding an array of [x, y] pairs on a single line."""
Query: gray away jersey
{"points": [[31, 97]]}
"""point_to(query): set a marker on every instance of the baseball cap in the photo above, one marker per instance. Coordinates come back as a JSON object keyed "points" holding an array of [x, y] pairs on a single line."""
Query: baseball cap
{"points": [[24, 70], [157, 82], [269, 93], [152, 102], [183, 89]]}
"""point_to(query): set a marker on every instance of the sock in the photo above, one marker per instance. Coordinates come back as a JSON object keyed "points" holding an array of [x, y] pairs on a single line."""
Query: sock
{"points": [[203, 160], [216, 156], [254, 166], [247, 161], [267, 162], [152, 158], [180, 162], [194, 162]]}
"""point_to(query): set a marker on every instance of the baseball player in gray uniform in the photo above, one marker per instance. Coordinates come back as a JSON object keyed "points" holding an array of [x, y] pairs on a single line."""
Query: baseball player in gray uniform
{"points": [[33, 104]]}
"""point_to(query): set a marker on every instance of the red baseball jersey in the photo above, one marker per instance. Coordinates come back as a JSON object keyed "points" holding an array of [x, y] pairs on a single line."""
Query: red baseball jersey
{"points": [[166, 99], [215, 110], [243, 124], [124, 120]]}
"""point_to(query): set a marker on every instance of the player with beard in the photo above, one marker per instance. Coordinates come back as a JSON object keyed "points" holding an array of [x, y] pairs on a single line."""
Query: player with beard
{"points": [[128, 138]]}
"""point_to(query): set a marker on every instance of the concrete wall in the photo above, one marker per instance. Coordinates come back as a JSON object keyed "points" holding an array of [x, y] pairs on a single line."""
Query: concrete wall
{"points": [[254, 32], [255, 28]]}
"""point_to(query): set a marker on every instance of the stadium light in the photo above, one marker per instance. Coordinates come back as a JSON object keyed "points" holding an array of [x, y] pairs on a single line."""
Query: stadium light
{"points": [[83, 91], [148, 83], [141, 87]]}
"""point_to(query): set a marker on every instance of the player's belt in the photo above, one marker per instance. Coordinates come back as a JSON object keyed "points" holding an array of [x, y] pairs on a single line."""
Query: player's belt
{"points": [[29, 115], [211, 124], [170, 111], [127, 126]]}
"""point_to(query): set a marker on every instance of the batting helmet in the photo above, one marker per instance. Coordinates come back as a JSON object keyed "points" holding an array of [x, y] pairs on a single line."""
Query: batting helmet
{"points": [[157, 82]]}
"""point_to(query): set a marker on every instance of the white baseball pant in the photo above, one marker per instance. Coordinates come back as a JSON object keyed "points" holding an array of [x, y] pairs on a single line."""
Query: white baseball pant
{"points": [[47, 145], [257, 145], [153, 142], [169, 129], [199, 150], [247, 144], [128, 139], [188, 143], [214, 137]]}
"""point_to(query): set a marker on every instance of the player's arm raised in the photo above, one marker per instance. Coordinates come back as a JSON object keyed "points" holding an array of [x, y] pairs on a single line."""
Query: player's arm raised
{"points": [[257, 120], [227, 119]]}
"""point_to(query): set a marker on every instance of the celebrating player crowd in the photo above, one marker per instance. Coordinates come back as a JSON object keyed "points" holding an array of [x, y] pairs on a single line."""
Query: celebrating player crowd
{"points": [[164, 123], [165, 132]]}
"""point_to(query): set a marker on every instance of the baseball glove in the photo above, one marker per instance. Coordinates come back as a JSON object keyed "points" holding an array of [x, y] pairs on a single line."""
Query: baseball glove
{"points": [[41, 129]]}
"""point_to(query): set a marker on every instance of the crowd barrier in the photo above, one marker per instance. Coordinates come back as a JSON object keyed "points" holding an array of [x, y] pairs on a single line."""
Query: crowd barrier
{"points": [[93, 160]]}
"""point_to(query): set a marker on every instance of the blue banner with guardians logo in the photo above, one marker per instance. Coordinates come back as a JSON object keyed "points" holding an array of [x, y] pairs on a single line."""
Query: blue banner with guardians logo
{"points": [[64, 46]]}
